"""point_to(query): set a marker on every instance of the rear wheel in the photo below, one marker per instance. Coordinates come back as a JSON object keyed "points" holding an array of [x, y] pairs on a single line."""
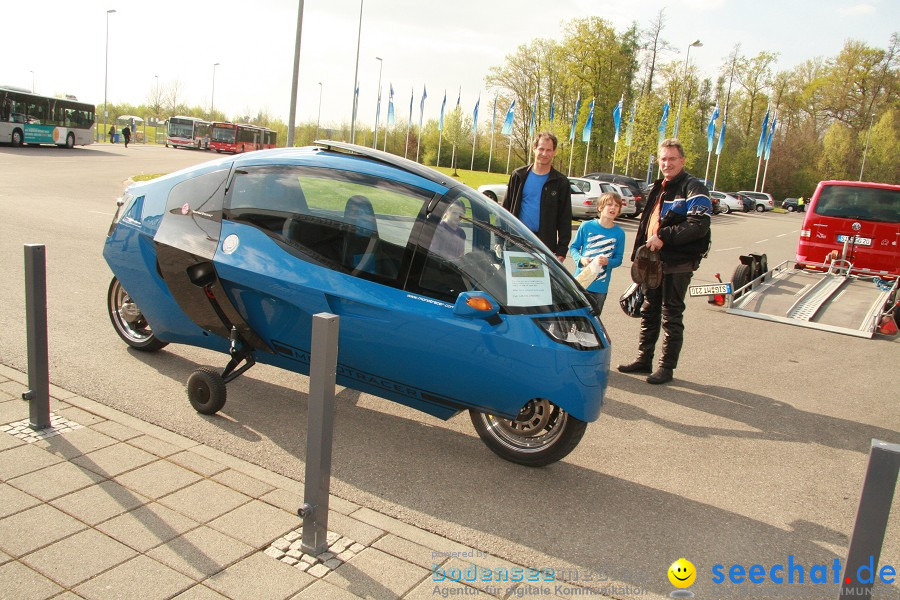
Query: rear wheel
{"points": [[790, 209], [724, 208], [541, 434], [17, 137], [740, 278], [760, 208], [70, 141], [491, 195], [128, 320]]}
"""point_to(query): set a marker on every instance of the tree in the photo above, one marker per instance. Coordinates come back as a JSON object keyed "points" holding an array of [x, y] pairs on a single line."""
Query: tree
{"points": [[653, 44]]}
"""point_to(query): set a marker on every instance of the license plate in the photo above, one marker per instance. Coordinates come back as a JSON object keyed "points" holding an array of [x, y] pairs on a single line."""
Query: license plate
{"points": [[860, 241], [710, 290]]}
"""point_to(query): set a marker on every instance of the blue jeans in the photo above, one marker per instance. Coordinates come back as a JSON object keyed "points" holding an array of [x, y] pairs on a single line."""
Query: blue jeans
{"points": [[599, 299]]}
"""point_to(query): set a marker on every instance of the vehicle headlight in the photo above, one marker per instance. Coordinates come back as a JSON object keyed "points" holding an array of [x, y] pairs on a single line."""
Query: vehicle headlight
{"points": [[577, 332]]}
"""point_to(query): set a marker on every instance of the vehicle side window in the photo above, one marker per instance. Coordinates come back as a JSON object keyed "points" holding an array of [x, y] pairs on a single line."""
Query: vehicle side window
{"points": [[345, 221]]}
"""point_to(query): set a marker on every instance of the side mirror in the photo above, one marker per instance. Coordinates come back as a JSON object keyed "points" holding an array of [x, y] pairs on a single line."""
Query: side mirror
{"points": [[477, 305]]}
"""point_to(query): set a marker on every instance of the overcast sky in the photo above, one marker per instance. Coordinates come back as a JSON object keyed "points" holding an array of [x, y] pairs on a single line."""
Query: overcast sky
{"points": [[443, 45]]}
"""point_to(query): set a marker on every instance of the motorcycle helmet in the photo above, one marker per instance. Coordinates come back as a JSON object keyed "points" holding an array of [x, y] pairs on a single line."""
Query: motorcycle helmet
{"points": [[632, 300]]}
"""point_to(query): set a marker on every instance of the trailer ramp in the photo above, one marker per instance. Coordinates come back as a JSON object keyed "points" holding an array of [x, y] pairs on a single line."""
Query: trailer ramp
{"points": [[839, 302]]}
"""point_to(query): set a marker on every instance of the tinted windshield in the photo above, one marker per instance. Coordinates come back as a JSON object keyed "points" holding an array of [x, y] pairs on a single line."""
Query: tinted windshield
{"points": [[475, 245], [852, 202], [220, 134], [179, 129]]}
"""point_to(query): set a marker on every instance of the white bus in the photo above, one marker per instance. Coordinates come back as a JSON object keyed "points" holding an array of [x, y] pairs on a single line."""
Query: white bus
{"points": [[33, 119], [188, 132]]}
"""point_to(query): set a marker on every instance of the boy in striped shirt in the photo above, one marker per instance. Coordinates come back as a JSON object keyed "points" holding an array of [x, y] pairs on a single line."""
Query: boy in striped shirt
{"points": [[598, 248]]}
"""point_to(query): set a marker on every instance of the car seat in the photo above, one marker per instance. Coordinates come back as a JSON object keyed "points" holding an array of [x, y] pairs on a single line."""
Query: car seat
{"points": [[361, 239]]}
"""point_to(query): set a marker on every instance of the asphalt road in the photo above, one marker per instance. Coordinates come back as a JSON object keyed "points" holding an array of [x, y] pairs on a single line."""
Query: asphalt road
{"points": [[755, 453]]}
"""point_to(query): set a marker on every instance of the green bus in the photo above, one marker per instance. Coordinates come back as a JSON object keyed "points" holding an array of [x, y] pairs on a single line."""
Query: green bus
{"points": [[34, 119]]}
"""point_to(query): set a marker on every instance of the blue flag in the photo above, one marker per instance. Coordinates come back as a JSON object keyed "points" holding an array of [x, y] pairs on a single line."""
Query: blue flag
{"points": [[412, 94], [533, 112], [475, 114], [711, 129], [508, 123], [575, 117], [586, 132], [459, 96], [722, 133], [422, 105], [771, 134], [390, 117], [629, 135], [441, 120], [617, 118], [762, 135], [663, 123], [552, 102]]}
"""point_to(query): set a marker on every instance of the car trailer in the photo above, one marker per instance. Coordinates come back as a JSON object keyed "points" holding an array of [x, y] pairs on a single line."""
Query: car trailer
{"points": [[834, 296]]}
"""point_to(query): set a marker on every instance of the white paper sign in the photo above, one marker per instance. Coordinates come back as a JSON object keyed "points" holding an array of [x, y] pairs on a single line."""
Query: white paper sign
{"points": [[527, 280]]}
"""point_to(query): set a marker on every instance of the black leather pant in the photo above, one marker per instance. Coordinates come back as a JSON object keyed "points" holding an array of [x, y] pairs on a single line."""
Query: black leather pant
{"points": [[665, 306]]}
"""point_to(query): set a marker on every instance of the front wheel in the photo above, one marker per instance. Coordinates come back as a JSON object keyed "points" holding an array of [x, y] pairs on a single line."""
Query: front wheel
{"points": [[17, 137], [760, 208], [724, 208], [70, 141], [128, 320], [541, 434]]}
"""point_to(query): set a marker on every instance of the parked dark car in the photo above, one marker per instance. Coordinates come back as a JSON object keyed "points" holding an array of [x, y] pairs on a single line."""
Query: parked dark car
{"points": [[635, 185], [748, 202], [793, 205]]}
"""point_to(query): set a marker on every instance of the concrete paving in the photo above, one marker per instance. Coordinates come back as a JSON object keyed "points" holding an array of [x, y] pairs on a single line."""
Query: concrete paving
{"points": [[103, 505]]}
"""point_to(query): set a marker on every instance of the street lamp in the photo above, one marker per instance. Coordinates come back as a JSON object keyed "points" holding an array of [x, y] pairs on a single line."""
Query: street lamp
{"points": [[866, 151], [212, 97], [106, 69], [687, 59], [319, 118], [378, 104], [32, 81], [356, 78]]}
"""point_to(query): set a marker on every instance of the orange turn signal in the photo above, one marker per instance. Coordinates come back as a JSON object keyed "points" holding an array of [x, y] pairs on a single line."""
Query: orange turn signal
{"points": [[479, 303]]}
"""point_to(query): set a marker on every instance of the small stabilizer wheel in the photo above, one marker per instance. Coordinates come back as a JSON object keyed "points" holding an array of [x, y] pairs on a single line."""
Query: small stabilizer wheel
{"points": [[206, 390]]}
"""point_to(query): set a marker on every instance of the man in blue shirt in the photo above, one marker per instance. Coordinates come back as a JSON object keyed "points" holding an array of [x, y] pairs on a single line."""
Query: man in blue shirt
{"points": [[541, 198]]}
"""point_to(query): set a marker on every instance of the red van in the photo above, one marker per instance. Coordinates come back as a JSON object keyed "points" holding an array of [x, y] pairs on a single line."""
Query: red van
{"points": [[866, 214]]}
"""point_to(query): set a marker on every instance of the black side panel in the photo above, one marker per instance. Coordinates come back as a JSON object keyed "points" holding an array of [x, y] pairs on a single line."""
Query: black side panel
{"points": [[188, 277]]}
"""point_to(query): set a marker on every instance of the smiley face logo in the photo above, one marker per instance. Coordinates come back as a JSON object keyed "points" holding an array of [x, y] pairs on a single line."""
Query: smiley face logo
{"points": [[682, 573]]}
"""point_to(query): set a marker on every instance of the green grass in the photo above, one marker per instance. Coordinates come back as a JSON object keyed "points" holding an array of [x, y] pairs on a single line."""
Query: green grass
{"points": [[473, 179]]}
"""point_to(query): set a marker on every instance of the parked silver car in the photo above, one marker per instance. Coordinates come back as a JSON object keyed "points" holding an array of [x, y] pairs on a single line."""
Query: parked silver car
{"points": [[727, 202], [494, 191]]}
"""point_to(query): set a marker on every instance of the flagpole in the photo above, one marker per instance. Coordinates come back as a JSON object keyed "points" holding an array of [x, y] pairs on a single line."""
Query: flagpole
{"points": [[509, 154], [763, 138], [474, 141], [708, 160], [765, 171], [758, 167], [440, 137], [412, 95], [587, 151], [571, 155], [627, 160], [724, 118], [615, 151], [493, 127]]}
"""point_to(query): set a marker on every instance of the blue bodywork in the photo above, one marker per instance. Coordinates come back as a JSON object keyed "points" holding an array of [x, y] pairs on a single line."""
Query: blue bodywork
{"points": [[397, 340]]}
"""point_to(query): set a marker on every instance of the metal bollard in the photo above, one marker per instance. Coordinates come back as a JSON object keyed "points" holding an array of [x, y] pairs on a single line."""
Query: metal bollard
{"points": [[320, 432], [871, 521], [38, 394]]}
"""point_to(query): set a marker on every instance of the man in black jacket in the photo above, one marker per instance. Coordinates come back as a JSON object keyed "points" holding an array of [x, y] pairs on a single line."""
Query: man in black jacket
{"points": [[541, 197], [675, 222]]}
